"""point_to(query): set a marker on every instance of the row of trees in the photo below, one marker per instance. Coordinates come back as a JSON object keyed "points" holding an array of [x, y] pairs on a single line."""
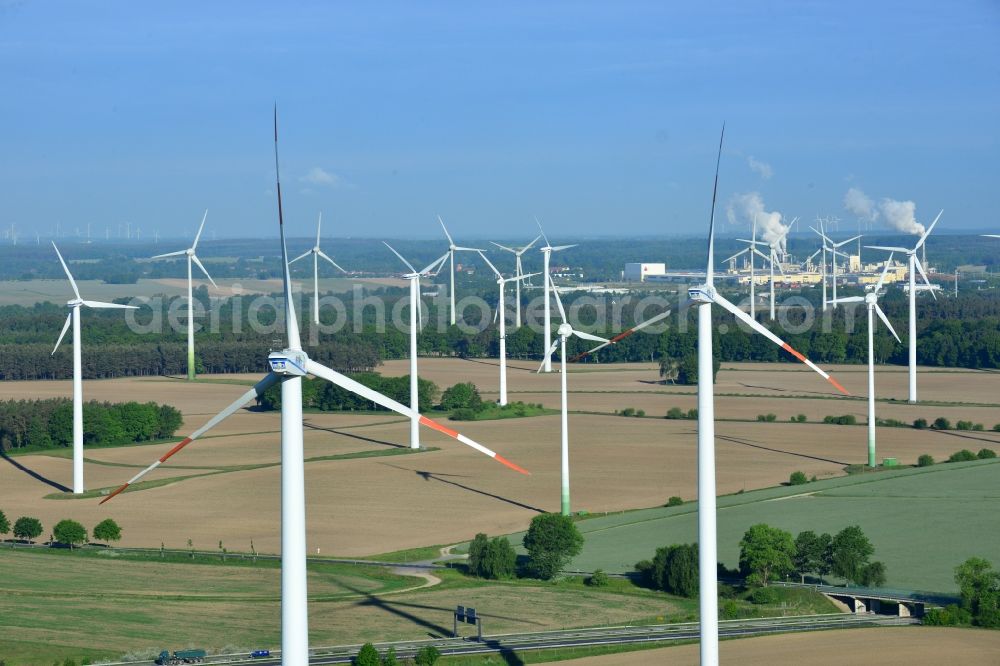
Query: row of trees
{"points": [[768, 553], [45, 424], [67, 532], [552, 540], [979, 586], [323, 395]]}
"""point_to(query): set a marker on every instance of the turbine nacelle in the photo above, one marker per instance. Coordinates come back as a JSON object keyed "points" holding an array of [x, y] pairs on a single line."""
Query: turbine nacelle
{"points": [[702, 294], [288, 362], [564, 330]]}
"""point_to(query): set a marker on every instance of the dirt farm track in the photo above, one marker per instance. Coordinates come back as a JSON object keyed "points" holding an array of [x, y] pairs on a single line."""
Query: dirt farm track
{"points": [[226, 486]]}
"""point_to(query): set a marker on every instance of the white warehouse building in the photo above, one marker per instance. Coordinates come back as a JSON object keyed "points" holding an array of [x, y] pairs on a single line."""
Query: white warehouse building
{"points": [[639, 272]]}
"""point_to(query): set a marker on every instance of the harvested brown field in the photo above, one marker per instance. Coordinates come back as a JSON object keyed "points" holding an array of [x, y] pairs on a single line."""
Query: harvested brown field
{"points": [[363, 506], [914, 646]]}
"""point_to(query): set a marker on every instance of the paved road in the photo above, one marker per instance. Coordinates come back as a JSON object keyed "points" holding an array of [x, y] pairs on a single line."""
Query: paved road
{"points": [[510, 643]]}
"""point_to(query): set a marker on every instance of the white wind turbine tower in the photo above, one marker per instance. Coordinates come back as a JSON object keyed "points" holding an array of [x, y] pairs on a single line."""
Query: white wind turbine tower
{"points": [[565, 331], [750, 251], [191, 257], [316, 255], [913, 265], [871, 302], [416, 323], [704, 296], [452, 249], [518, 271], [74, 318], [547, 256], [289, 367], [822, 249], [502, 315]]}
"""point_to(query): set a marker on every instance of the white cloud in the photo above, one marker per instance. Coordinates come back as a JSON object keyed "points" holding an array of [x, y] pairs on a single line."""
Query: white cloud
{"points": [[319, 176], [762, 169]]}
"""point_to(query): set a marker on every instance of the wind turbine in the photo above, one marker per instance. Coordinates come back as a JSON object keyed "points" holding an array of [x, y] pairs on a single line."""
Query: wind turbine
{"points": [[913, 265], [621, 336], [416, 313], [823, 250], [316, 254], [452, 249], [518, 271], [74, 318], [547, 256], [704, 296], [191, 257], [288, 367], [564, 332], [870, 300], [750, 251], [834, 249], [502, 315]]}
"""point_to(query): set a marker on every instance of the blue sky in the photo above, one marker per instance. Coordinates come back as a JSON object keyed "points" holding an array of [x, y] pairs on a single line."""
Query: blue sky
{"points": [[599, 118]]}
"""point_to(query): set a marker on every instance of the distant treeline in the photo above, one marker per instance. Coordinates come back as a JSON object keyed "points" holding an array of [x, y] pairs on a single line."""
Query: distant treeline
{"points": [[48, 424], [601, 259], [953, 332]]}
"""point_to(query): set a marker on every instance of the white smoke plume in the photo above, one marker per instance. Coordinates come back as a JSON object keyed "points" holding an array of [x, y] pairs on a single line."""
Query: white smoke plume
{"points": [[759, 167], [900, 215], [742, 209], [860, 205]]}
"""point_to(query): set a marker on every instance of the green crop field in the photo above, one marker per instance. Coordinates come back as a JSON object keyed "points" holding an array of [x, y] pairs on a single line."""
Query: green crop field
{"points": [[922, 521]]}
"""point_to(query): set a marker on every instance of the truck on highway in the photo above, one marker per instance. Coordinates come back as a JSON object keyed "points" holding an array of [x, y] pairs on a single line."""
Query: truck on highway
{"points": [[180, 657]]}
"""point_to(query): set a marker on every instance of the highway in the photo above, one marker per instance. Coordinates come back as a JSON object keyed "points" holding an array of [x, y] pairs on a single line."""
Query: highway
{"points": [[507, 643]]}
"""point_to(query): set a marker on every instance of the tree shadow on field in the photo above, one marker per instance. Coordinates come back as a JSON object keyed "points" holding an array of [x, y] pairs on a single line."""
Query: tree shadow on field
{"points": [[743, 442], [33, 474], [496, 364], [362, 438]]}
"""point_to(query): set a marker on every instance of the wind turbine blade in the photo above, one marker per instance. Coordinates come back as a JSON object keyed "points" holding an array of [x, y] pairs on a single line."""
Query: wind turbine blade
{"points": [[319, 225], [301, 256], [408, 264], [776, 262], [736, 255], [990, 235], [888, 249], [106, 306], [504, 247], [542, 232], [562, 312], [550, 352], [291, 323], [353, 386], [920, 269], [928, 232], [335, 264], [813, 255], [490, 264], [202, 226], [469, 249], [885, 320], [745, 318], [197, 261], [170, 254], [521, 277], [589, 336], [257, 390], [72, 282], [885, 271], [761, 255], [436, 264], [846, 299], [69, 320], [710, 268], [528, 246], [846, 241], [557, 248], [450, 241], [821, 234]]}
